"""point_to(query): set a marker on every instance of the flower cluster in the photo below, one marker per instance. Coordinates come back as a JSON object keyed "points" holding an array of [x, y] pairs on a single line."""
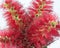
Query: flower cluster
{"points": [[43, 30], [40, 6], [35, 29], [14, 10], [13, 14]]}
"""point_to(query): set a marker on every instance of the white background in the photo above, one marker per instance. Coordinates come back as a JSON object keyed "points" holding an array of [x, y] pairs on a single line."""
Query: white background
{"points": [[26, 3]]}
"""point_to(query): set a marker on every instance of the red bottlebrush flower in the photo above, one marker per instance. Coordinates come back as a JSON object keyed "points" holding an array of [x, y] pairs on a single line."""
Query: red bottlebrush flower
{"points": [[35, 29], [15, 10], [12, 29], [40, 6], [10, 37], [42, 30], [17, 21]]}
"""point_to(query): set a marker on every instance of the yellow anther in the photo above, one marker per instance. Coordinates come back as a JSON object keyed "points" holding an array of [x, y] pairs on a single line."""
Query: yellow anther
{"points": [[6, 5], [53, 23], [12, 10]]}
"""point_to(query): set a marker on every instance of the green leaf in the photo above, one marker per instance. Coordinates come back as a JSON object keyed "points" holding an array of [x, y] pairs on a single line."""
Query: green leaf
{"points": [[45, 47]]}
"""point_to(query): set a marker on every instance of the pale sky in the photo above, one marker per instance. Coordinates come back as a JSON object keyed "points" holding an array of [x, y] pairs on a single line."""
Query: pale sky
{"points": [[26, 3]]}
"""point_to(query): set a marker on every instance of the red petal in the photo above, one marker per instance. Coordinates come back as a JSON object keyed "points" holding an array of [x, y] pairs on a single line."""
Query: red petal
{"points": [[54, 32]]}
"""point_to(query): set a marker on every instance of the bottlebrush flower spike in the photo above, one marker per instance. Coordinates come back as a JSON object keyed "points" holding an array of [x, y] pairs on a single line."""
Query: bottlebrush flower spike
{"points": [[43, 30], [11, 36], [16, 11], [36, 28], [39, 6], [12, 30]]}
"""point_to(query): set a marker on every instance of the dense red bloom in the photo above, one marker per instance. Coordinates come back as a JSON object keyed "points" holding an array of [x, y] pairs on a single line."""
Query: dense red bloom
{"points": [[17, 20], [11, 37], [39, 6], [14, 9], [12, 34], [36, 28], [43, 30], [12, 31]]}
